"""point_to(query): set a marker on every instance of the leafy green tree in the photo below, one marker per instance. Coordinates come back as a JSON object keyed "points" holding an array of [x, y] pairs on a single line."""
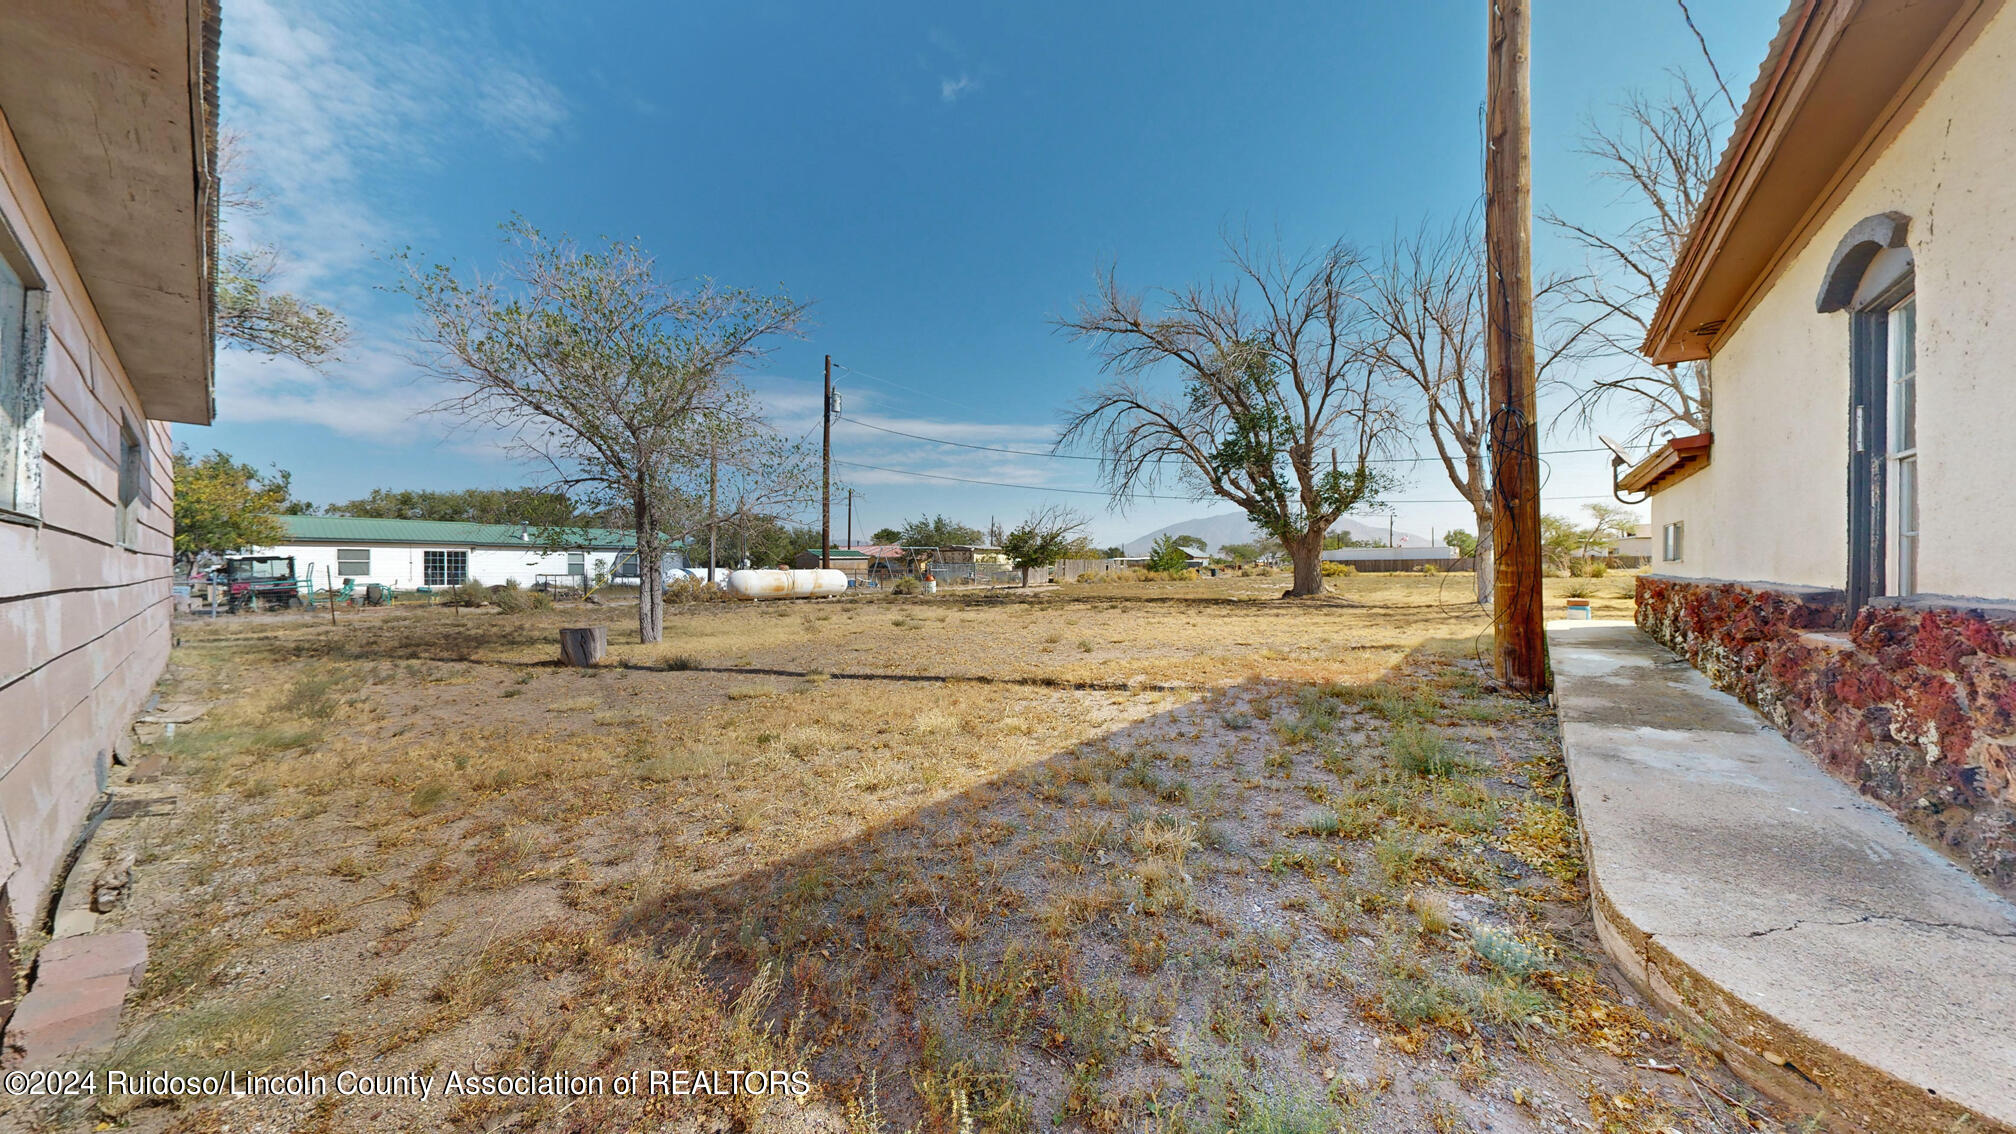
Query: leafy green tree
{"points": [[1113, 553], [768, 542], [1335, 540], [618, 382], [224, 505], [1464, 543], [937, 531], [1168, 555], [887, 535], [1240, 552], [537, 507], [1044, 538], [1559, 540], [1608, 523], [1194, 542], [1276, 405]]}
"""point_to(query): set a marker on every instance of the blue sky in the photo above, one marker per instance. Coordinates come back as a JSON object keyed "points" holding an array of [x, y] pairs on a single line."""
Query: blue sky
{"points": [[942, 180]]}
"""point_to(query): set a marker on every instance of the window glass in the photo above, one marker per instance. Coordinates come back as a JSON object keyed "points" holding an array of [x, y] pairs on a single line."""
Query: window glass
{"points": [[1903, 377], [132, 458], [444, 568], [1674, 534], [13, 402], [353, 561], [261, 568]]}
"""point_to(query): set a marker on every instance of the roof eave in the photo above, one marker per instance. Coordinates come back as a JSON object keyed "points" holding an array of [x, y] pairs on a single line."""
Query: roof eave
{"points": [[1839, 73], [116, 117], [1669, 464]]}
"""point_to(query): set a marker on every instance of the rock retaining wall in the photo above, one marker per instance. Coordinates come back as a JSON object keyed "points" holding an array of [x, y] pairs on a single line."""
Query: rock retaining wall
{"points": [[1914, 702]]}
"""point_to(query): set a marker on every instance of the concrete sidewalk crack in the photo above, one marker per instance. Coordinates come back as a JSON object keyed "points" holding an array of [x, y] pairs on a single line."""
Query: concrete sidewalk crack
{"points": [[2009, 934]]}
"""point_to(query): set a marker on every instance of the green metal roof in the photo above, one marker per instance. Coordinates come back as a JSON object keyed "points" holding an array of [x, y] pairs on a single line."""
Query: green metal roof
{"points": [[363, 530], [838, 553]]}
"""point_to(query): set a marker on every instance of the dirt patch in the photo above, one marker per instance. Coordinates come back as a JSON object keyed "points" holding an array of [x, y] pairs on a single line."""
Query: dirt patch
{"points": [[1167, 857]]}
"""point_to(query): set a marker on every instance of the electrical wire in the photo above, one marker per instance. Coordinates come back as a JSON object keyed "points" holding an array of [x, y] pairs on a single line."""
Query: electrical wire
{"points": [[1084, 457], [1103, 492], [900, 386]]}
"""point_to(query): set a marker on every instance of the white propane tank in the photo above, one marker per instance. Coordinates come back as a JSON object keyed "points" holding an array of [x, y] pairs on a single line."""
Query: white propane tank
{"points": [[760, 584], [788, 584], [818, 584]]}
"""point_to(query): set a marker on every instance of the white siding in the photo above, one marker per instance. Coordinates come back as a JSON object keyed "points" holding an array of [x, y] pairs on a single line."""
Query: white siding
{"points": [[400, 566], [84, 621]]}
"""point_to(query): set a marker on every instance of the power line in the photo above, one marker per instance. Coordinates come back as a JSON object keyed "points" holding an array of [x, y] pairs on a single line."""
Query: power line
{"points": [[1082, 457], [967, 444], [1102, 492], [902, 387]]}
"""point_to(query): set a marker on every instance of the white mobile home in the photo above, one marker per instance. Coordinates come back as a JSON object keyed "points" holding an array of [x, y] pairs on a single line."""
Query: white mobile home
{"points": [[404, 554]]}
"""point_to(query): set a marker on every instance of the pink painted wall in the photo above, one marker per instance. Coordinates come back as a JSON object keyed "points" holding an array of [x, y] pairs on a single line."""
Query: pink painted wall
{"points": [[84, 621]]}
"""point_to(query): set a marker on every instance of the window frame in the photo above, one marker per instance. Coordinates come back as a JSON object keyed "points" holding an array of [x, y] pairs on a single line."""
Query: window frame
{"points": [[1673, 542], [1871, 546], [1901, 464], [352, 553], [577, 564], [131, 483], [23, 382], [428, 575]]}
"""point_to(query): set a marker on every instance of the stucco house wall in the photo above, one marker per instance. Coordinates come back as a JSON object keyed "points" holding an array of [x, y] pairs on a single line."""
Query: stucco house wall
{"points": [[84, 618], [1912, 699], [1772, 505]]}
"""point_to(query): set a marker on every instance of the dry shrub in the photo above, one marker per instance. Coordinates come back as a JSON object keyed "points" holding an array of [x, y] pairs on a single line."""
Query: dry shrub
{"points": [[470, 593]]}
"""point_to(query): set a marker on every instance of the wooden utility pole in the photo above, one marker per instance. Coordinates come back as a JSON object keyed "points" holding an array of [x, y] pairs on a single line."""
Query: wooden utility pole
{"points": [[850, 519], [713, 516], [1521, 654], [826, 475]]}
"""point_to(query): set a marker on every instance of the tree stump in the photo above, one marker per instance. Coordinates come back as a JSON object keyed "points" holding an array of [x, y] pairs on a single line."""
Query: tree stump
{"points": [[583, 645]]}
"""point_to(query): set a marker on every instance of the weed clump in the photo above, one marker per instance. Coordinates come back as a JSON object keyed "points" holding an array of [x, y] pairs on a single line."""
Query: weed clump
{"points": [[1424, 752], [470, 593]]}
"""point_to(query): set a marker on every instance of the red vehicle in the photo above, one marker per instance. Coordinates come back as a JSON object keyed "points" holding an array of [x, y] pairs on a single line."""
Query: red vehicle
{"points": [[259, 580]]}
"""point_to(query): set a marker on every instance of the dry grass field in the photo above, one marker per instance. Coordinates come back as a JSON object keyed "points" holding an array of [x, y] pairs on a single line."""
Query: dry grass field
{"points": [[1158, 856]]}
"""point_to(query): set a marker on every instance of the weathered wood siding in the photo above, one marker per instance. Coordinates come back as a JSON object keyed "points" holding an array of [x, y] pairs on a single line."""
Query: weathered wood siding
{"points": [[84, 621]]}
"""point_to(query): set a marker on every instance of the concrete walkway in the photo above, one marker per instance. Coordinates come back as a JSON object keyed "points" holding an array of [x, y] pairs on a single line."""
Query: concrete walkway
{"points": [[1843, 965]]}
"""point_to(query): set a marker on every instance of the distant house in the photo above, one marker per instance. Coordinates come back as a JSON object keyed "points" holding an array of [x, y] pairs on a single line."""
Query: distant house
{"points": [[108, 240], [854, 561], [1839, 547], [976, 554], [1633, 549], [404, 554], [1394, 558]]}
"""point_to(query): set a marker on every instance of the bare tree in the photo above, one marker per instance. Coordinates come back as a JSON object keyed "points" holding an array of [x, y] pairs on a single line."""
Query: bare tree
{"points": [[1662, 154], [1274, 376], [1427, 300], [616, 381], [252, 314]]}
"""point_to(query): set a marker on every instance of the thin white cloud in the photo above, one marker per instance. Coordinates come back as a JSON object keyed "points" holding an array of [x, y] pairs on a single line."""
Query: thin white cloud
{"points": [[327, 100], [952, 90]]}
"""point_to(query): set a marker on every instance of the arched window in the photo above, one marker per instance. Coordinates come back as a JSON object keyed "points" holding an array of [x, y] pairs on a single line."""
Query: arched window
{"points": [[1871, 276]]}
